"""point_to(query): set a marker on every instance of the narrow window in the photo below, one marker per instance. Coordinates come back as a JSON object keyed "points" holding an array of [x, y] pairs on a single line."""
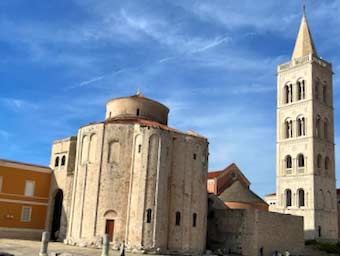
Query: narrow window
{"points": [[138, 112], [148, 215], [317, 127], [301, 160], [325, 129], [139, 148], [26, 213], [291, 92], [178, 218], [288, 198], [63, 161], [301, 198], [194, 219], [327, 163], [288, 162], [194, 156], [319, 231], [317, 83], [286, 94], [303, 91], [324, 94], [29, 188], [318, 162], [299, 87], [56, 162]]}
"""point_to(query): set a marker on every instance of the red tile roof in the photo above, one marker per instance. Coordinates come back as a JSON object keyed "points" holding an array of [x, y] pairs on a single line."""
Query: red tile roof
{"points": [[212, 175]]}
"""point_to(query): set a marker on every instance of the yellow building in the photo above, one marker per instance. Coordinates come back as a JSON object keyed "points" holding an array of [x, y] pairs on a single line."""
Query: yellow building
{"points": [[24, 191]]}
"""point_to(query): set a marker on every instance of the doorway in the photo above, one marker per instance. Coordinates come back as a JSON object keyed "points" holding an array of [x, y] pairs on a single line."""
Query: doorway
{"points": [[57, 211], [109, 228]]}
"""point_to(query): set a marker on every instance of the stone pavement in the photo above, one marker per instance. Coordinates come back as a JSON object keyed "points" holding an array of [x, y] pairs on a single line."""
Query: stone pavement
{"points": [[31, 248]]}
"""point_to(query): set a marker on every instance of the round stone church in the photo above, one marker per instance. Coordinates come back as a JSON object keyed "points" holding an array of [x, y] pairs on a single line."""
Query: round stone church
{"points": [[133, 177]]}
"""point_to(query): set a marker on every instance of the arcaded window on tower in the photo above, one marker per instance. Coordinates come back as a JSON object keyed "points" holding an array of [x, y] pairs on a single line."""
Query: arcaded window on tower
{"points": [[301, 90], [301, 160], [288, 91], [194, 219], [56, 162], [301, 126], [289, 129], [288, 198], [301, 194], [326, 163], [288, 162]]}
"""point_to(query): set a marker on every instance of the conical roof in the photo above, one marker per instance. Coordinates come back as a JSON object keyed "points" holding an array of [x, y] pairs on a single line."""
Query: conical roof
{"points": [[304, 43]]}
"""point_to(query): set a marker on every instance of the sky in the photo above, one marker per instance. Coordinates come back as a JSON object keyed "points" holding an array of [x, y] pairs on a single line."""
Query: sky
{"points": [[213, 63]]}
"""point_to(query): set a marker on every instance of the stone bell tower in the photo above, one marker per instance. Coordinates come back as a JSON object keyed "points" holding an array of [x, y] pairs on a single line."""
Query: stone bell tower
{"points": [[305, 165]]}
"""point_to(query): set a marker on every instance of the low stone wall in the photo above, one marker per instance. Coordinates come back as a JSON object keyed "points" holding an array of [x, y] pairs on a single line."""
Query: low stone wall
{"points": [[248, 232], [18, 233]]}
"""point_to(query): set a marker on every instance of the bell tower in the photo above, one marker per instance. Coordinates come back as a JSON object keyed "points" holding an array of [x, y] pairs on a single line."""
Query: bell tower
{"points": [[305, 164]]}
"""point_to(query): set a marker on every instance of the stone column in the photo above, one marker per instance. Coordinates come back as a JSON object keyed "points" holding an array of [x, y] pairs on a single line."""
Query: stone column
{"points": [[106, 245], [44, 244]]}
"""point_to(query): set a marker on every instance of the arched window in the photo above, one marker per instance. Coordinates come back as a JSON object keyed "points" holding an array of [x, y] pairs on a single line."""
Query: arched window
{"points": [[194, 219], [301, 194], [317, 85], [288, 198], [288, 162], [63, 161], [317, 127], [318, 161], [324, 93], [325, 129], [148, 215], [138, 112], [289, 128], [301, 126], [56, 162], [288, 90], [301, 160], [301, 90], [326, 163], [178, 218]]}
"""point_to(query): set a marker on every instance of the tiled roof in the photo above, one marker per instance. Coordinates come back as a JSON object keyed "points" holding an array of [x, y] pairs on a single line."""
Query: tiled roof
{"points": [[22, 163], [212, 175]]}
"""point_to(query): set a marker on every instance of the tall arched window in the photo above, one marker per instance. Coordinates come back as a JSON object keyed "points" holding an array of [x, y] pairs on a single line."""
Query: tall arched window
{"points": [[56, 162], [178, 218], [301, 194], [289, 128], [301, 160], [288, 162], [288, 198], [288, 90], [301, 90], [318, 161], [317, 127], [301, 126], [325, 128], [63, 160]]}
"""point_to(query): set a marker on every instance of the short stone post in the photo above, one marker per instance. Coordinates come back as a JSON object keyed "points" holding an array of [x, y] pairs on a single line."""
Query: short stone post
{"points": [[44, 244], [106, 245]]}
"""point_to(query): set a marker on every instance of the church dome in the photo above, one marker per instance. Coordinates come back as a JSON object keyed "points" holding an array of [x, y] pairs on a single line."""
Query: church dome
{"points": [[137, 106]]}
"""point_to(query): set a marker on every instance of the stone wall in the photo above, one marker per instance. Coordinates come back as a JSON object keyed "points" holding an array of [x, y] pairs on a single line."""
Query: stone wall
{"points": [[246, 231]]}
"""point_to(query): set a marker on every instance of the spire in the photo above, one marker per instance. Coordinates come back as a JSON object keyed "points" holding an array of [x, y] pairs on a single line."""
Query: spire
{"points": [[304, 43]]}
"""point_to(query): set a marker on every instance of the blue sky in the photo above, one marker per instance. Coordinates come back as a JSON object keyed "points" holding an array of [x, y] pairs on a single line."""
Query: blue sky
{"points": [[212, 62]]}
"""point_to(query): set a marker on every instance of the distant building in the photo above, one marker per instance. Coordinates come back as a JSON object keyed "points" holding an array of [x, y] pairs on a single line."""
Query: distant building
{"points": [[24, 191], [232, 187]]}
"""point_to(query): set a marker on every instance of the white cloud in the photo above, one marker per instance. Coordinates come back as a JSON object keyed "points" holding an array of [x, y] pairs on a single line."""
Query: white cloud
{"points": [[18, 104]]}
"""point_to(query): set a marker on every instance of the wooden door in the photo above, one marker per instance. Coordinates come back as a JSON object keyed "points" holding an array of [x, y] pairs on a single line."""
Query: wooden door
{"points": [[110, 225]]}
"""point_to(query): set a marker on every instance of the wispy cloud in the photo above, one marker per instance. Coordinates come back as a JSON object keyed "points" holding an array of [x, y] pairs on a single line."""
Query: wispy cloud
{"points": [[18, 104]]}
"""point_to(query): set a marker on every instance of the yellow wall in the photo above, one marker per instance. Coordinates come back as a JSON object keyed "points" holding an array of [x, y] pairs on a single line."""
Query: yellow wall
{"points": [[12, 197]]}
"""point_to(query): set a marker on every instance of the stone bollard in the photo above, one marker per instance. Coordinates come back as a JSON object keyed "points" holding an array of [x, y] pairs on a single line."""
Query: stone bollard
{"points": [[44, 244], [106, 245]]}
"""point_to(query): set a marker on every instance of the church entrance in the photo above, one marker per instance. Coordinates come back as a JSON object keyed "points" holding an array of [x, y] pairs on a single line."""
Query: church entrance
{"points": [[109, 229], [57, 211]]}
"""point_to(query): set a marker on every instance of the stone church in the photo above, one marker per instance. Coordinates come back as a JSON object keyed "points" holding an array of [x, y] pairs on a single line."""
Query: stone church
{"points": [[133, 177], [306, 184]]}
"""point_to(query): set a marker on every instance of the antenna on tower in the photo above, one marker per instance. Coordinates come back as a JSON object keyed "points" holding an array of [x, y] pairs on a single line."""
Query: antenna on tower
{"points": [[304, 7], [138, 91]]}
